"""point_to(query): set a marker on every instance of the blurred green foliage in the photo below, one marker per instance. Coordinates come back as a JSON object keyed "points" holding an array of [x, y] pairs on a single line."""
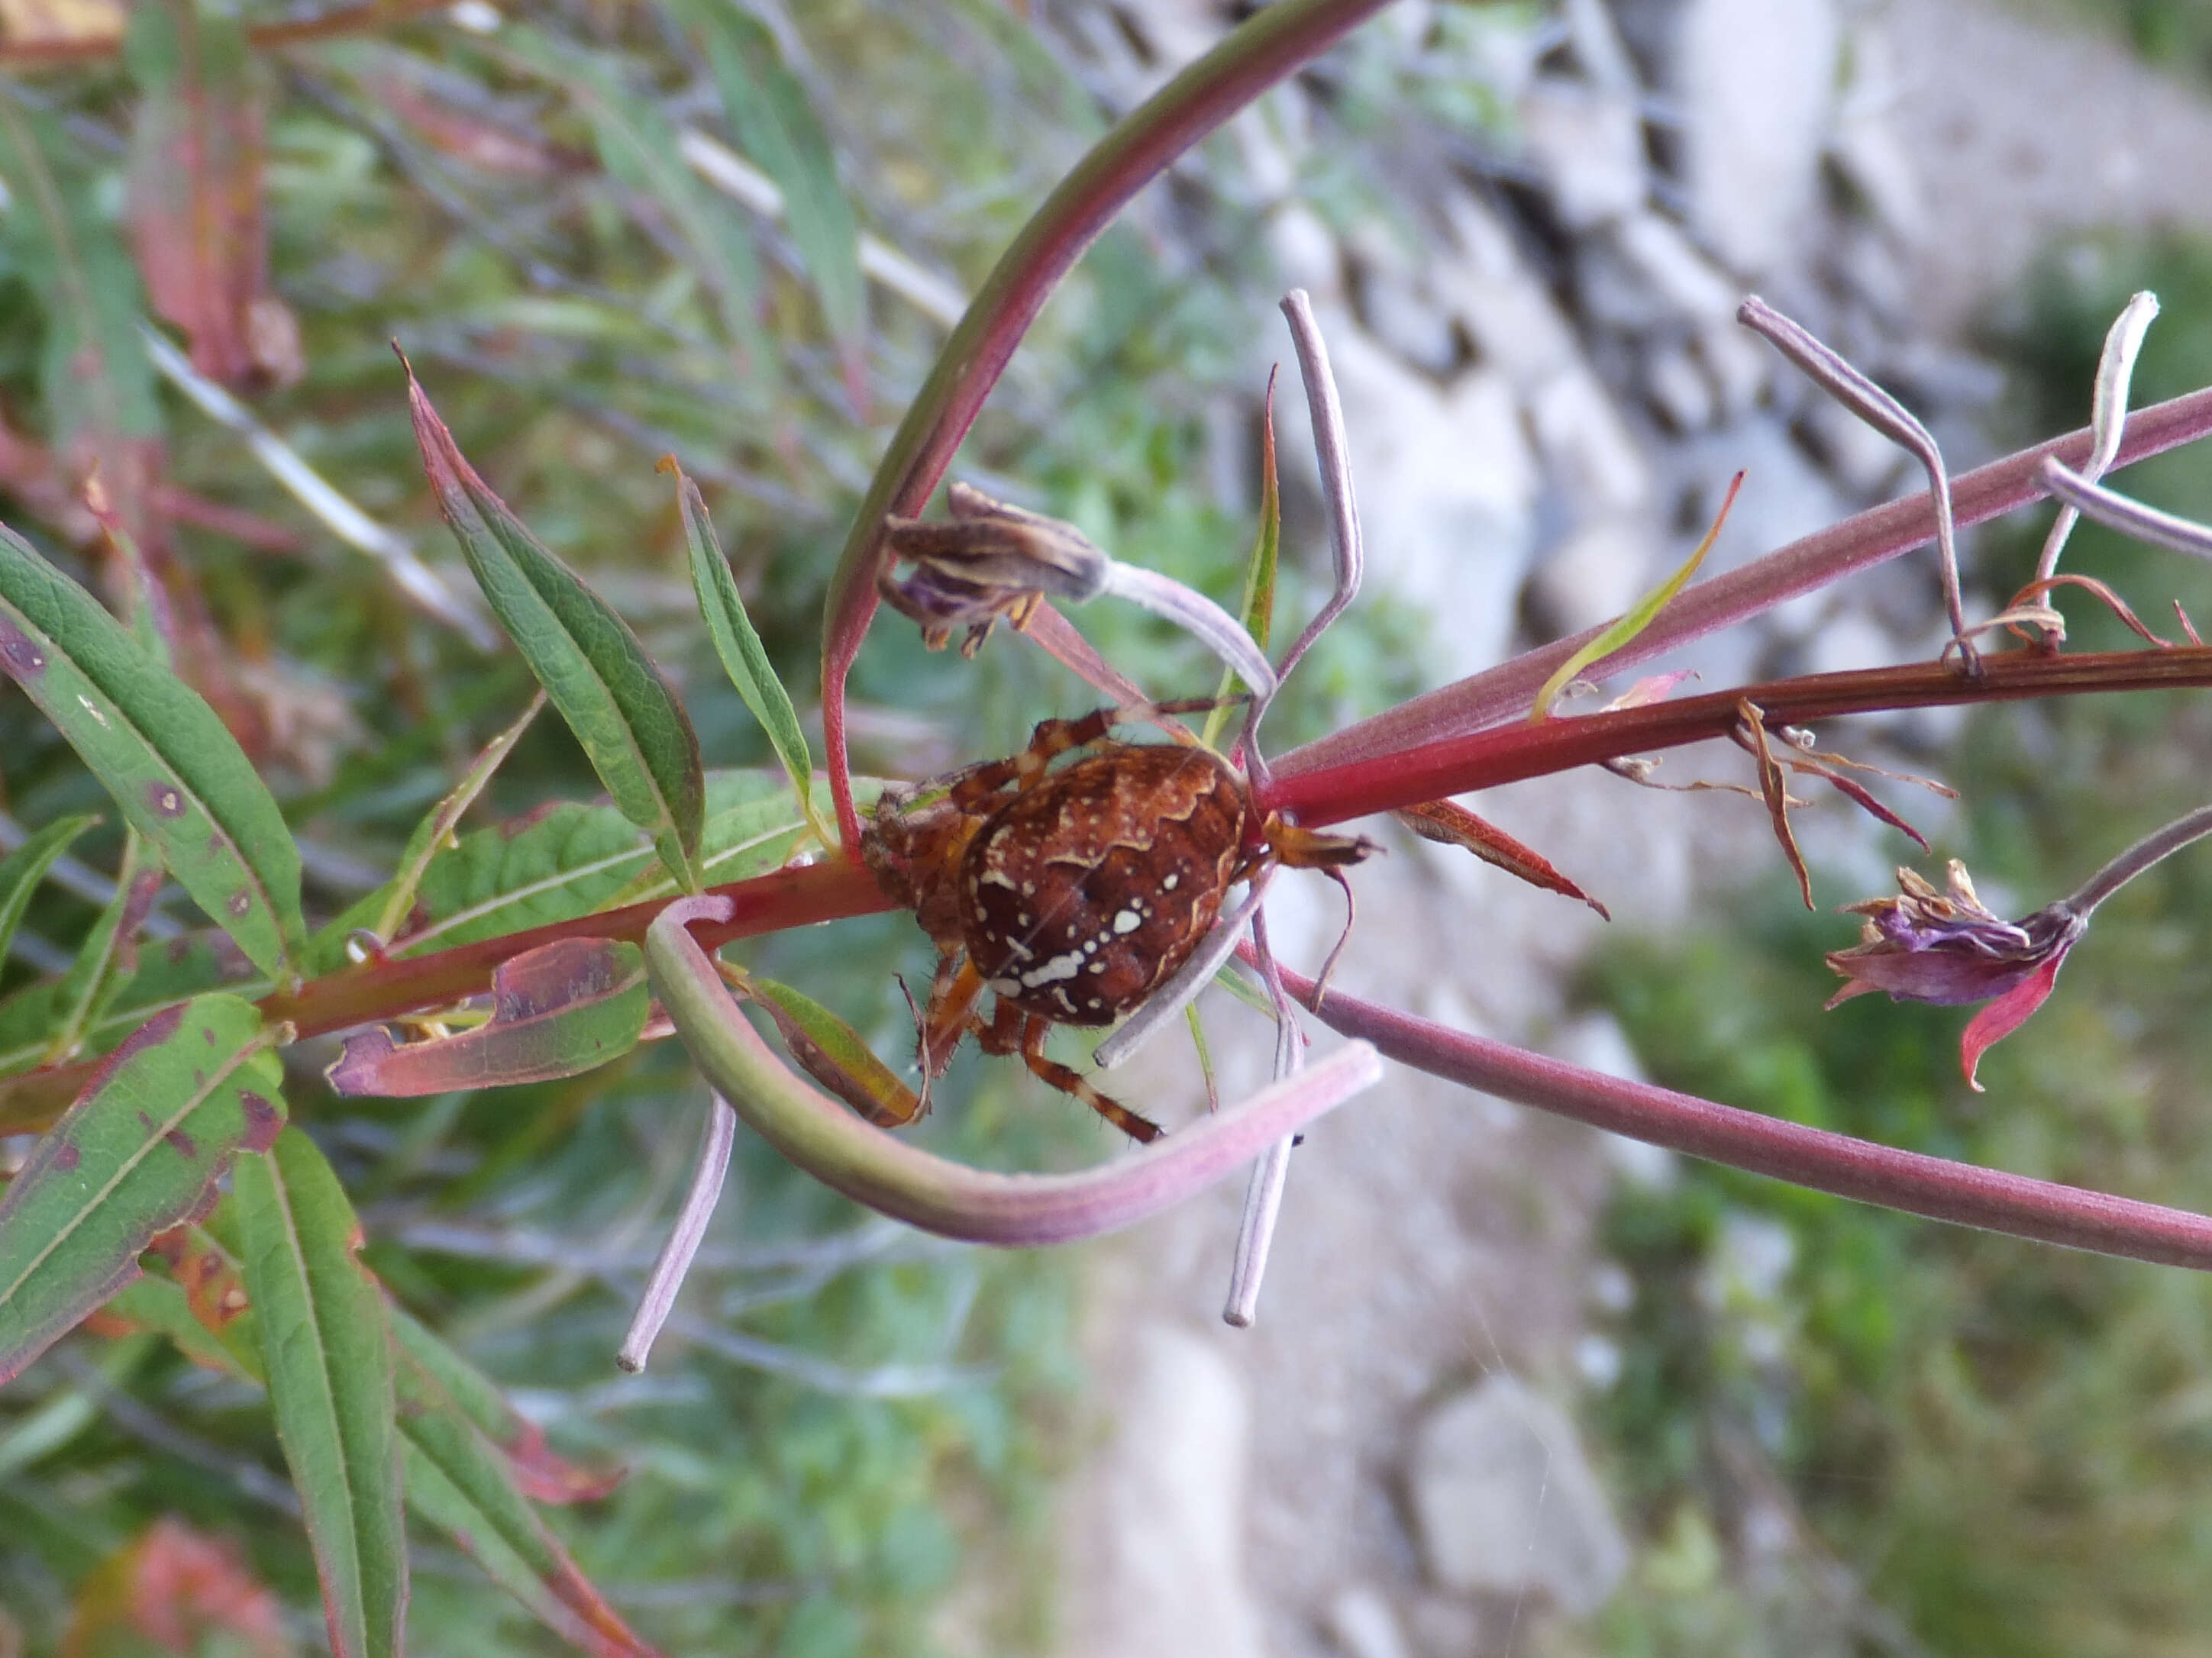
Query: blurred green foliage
{"points": [[857, 1411], [2007, 1446]]}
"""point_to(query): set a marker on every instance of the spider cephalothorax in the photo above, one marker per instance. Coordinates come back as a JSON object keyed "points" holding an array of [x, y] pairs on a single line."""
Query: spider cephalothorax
{"points": [[1071, 896]]}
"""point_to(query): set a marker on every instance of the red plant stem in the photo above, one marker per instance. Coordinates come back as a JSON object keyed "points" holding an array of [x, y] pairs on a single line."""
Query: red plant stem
{"points": [[1936, 1187], [1506, 754], [828, 891], [1858, 543], [1253, 58]]}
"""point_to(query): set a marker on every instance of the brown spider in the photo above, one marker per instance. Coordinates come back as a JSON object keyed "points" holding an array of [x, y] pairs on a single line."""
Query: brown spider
{"points": [[1072, 894]]}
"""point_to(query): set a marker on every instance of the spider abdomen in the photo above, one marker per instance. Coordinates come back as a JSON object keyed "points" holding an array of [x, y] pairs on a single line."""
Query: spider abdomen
{"points": [[1082, 894]]}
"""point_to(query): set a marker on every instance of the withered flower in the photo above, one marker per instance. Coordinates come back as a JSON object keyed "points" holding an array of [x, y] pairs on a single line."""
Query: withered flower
{"points": [[1948, 948], [989, 560]]}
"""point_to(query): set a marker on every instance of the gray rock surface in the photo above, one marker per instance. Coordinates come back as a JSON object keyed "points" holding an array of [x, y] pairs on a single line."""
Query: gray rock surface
{"points": [[1506, 1503]]}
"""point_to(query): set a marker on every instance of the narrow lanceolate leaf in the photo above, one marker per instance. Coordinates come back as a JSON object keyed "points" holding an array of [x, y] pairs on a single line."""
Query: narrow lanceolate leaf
{"points": [[738, 644], [109, 956], [1638, 616], [178, 776], [23, 870], [832, 1053], [557, 1010], [138, 1153], [539, 1472], [97, 381], [776, 127], [1258, 611], [327, 1351], [633, 729], [642, 149], [459, 1481], [435, 832]]}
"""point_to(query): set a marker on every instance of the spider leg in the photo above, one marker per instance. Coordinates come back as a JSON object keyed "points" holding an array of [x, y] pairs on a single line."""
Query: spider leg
{"points": [[1033, 1033], [951, 1009]]}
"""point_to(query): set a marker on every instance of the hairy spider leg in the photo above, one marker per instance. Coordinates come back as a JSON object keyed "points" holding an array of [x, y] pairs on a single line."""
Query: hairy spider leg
{"points": [[1010, 1030], [952, 998]]}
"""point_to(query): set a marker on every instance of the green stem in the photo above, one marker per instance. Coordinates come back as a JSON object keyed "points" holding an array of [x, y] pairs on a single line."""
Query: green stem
{"points": [[900, 1179]]}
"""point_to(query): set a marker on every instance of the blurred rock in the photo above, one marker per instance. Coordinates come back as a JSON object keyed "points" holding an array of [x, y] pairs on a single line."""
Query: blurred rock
{"points": [[1755, 81], [1505, 1503], [1362, 1622], [1588, 144], [1174, 1502], [1591, 577]]}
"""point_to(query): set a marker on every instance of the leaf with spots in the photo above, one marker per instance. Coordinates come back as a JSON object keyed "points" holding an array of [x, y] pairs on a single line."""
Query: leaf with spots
{"points": [[178, 776], [326, 1348], [633, 729], [557, 1010], [109, 956], [23, 870], [138, 1153]]}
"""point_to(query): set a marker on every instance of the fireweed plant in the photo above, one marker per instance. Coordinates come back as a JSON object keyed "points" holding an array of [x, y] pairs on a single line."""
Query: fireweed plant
{"points": [[141, 1129]]}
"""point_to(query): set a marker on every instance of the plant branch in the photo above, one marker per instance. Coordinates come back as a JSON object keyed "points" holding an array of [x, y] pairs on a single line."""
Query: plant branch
{"points": [[1936, 1187], [1859, 542], [1484, 759]]}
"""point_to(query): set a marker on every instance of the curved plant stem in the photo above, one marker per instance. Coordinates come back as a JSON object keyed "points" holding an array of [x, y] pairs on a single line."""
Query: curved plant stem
{"points": [[1248, 61], [1859, 542], [1919, 1185], [901, 1180]]}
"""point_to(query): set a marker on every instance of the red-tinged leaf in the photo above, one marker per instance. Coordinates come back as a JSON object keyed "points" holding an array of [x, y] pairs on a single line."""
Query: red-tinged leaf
{"points": [[161, 1307], [458, 1480], [195, 193], [539, 1472], [562, 1009], [833, 1053], [327, 1351], [182, 1592], [2004, 1015], [139, 1152], [1451, 824]]}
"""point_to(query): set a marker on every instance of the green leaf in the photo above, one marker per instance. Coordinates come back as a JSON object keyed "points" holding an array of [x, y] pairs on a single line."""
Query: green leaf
{"points": [[738, 644], [161, 1306], [557, 1010], [1638, 616], [776, 127], [1258, 610], [435, 831], [538, 1472], [459, 1481], [642, 149], [97, 381], [138, 1153], [572, 860], [109, 954], [170, 974], [327, 1351], [834, 1054], [633, 729], [177, 775], [25, 867]]}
